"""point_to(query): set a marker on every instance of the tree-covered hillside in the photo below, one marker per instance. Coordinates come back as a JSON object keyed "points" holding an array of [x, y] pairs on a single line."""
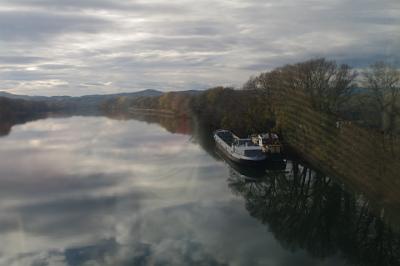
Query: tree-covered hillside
{"points": [[370, 98]]}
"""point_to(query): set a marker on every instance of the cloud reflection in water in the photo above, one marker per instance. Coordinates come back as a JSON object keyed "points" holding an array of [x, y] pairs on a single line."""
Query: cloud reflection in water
{"points": [[95, 191]]}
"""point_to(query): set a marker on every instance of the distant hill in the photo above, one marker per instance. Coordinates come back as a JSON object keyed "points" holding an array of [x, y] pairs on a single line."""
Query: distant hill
{"points": [[92, 104], [87, 102], [96, 97], [22, 97]]}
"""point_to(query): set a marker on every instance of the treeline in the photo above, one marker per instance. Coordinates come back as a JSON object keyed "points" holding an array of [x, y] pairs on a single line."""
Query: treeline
{"points": [[175, 102], [14, 108], [243, 111], [16, 111], [370, 99]]}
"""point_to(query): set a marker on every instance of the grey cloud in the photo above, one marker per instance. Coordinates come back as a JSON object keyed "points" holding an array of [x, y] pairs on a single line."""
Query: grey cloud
{"points": [[94, 84], [56, 66], [72, 4], [38, 25], [187, 26], [20, 60], [26, 75], [120, 5]]}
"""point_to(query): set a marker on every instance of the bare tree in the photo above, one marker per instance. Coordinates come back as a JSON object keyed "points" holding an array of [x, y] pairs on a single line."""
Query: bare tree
{"points": [[383, 82], [251, 84], [327, 85], [324, 85]]}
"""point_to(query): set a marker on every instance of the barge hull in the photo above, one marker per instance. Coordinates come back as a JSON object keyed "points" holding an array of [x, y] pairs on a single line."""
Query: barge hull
{"points": [[238, 160]]}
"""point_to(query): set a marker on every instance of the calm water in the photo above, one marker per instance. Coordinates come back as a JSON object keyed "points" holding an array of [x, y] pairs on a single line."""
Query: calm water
{"points": [[98, 191]]}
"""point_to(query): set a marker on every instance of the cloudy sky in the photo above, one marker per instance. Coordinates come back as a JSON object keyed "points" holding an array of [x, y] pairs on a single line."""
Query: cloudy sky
{"points": [[76, 47]]}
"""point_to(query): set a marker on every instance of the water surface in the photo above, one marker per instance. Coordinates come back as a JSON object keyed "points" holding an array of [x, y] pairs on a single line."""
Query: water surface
{"points": [[100, 191]]}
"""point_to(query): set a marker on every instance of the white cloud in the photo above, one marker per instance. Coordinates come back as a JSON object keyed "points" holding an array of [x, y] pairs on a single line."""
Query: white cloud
{"points": [[134, 45]]}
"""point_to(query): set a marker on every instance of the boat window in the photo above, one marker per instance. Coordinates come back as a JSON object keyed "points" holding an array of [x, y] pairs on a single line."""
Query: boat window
{"points": [[253, 153], [245, 142]]}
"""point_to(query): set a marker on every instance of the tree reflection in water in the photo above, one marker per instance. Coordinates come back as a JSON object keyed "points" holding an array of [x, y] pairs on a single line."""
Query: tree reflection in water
{"points": [[305, 209]]}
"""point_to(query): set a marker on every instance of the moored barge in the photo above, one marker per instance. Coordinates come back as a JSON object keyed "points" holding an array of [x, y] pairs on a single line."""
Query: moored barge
{"points": [[239, 150]]}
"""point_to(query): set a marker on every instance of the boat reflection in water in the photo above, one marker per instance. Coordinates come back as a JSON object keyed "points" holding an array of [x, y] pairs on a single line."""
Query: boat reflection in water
{"points": [[251, 171]]}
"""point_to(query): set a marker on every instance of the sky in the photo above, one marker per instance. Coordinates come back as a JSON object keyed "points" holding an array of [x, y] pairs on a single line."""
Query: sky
{"points": [[78, 47]]}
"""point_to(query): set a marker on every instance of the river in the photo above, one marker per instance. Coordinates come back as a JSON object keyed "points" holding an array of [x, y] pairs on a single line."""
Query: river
{"points": [[102, 191]]}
